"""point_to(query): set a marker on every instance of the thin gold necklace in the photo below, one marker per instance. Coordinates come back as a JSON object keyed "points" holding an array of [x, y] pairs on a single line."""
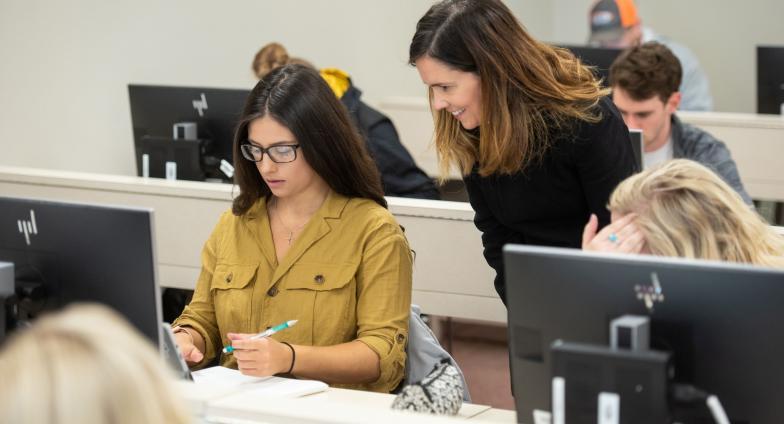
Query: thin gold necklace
{"points": [[286, 227]]}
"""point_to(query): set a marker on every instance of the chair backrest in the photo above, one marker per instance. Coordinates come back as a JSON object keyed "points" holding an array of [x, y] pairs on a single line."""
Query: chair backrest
{"points": [[424, 353]]}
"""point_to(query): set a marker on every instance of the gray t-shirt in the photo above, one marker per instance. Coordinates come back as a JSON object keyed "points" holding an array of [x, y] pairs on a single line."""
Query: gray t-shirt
{"points": [[662, 154]]}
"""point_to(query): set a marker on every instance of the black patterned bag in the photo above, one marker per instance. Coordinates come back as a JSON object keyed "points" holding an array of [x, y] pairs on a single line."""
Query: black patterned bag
{"points": [[440, 392]]}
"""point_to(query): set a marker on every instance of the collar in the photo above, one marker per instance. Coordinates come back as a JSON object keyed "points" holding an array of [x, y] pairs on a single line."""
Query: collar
{"points": [[333, 205], [676, 135]]}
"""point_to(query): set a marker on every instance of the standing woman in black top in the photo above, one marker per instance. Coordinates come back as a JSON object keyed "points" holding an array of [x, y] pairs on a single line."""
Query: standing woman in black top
{"points": [[530, 128]]}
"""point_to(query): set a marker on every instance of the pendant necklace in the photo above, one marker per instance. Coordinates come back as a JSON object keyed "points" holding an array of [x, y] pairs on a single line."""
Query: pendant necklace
{"points": [[286, 227]]}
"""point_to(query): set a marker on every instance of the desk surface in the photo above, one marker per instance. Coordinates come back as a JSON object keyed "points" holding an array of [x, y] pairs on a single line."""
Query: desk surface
{"points": [[381, 400], [331, 406]]}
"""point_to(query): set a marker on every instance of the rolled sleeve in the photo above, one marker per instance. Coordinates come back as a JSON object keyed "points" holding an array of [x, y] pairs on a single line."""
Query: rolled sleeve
{"points": [[384, 301]]}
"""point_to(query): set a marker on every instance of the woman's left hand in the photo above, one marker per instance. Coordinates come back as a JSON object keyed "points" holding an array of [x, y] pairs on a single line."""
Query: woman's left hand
{"points": [[621, 236], [260, 357]]}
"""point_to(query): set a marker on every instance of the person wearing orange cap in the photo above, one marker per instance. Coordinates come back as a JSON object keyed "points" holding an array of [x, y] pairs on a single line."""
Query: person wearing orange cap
{"points": [[616, 23]]}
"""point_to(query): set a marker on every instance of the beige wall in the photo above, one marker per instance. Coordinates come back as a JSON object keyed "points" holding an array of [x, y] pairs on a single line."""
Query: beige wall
{"points": [[64, 65], [722, 34]]}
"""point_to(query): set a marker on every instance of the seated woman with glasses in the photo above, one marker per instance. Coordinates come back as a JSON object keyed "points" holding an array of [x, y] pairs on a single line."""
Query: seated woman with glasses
{"points": [[309, 239], [683, 209]]}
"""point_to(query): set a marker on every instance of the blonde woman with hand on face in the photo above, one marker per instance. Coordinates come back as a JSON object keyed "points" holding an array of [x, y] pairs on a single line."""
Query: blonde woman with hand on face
{"points": [[539, 144], [683, 209], [308, 238]]}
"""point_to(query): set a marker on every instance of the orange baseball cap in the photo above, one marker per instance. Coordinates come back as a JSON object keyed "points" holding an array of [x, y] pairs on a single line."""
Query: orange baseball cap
{"points": [[610, 18]]}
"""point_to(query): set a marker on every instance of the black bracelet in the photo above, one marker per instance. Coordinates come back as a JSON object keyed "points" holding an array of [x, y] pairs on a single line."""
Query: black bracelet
{"points": [[293, 357]]}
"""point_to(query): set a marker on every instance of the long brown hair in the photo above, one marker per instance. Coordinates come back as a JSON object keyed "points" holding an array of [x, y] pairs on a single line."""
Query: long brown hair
{"points": [[529, 89], [299, 99]]}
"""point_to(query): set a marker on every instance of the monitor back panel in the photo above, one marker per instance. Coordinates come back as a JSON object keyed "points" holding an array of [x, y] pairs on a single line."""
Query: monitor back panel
{"points": [[722, 323]]}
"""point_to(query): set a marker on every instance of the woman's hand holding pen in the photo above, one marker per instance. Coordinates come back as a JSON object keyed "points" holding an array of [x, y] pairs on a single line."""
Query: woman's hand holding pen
{"points": [[621, 236], [260, 357]]}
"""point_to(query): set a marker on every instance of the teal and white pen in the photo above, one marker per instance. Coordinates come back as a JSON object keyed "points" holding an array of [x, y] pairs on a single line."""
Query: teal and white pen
{"points": [[266, 333]]}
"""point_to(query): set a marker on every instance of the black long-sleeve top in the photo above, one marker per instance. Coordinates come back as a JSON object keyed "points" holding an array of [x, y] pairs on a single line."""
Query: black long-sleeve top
{"points": [[550, 201]]}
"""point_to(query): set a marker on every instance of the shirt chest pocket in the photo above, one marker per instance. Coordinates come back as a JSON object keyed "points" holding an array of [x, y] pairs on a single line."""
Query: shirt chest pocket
{"points": [[325, 295], [232, 292]]}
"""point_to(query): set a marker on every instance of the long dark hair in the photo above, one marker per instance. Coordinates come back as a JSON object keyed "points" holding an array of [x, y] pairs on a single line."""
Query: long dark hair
{"points": [[528, 88], [299, 99]]}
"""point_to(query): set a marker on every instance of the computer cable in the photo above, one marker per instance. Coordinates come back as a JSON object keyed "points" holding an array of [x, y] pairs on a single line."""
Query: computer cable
{"points": [[687, 393]]}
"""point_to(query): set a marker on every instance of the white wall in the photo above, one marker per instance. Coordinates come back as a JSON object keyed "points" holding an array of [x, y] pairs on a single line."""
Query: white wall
{"points": [[722, 34], [66, 64]]}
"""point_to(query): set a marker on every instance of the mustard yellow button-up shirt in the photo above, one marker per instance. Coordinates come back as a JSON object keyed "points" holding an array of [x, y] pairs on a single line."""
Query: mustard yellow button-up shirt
{"points": [[346, 277]]}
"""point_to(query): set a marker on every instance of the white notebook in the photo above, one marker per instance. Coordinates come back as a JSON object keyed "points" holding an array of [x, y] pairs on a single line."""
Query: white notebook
{"points": [[264, 386]]}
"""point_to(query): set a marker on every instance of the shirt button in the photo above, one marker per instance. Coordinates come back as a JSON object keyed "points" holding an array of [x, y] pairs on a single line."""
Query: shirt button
{"points": [[319, 279], [230, 277], [400, 338], [272, 291]]}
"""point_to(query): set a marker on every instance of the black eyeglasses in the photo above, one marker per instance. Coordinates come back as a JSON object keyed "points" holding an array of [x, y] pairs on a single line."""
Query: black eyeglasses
{"points": [[280, 153]]}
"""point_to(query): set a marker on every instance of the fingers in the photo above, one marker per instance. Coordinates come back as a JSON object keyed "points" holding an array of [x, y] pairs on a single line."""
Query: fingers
{"points": [[589, 232], [631, 243], [191, 354], [621, 227], [238, 336], [248, 370], [261, 357], [247, 355], [249, 344], [621, 236]]}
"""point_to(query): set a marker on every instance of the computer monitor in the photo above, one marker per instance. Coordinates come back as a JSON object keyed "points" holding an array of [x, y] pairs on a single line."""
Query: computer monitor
{"points": [[162, 157], [214, 111], [770, 79], [637, 147], [723, 323], [599, 57], [69, 252]]}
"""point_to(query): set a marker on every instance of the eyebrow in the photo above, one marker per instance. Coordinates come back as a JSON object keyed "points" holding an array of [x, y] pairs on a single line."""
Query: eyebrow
{"points": [[439, 84], [277, 143], [642, 112]]}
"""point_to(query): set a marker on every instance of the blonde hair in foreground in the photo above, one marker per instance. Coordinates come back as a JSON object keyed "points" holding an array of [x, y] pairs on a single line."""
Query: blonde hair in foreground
{"points": [[85, 365], [685, 210]]}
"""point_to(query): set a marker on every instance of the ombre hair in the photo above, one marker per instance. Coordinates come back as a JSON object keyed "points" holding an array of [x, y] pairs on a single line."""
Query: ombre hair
{"points": [[529, 89], [685, 210]]}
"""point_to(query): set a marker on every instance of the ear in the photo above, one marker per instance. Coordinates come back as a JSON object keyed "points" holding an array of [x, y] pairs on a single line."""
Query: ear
{"points": [[673, 102], [635, 34]]}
